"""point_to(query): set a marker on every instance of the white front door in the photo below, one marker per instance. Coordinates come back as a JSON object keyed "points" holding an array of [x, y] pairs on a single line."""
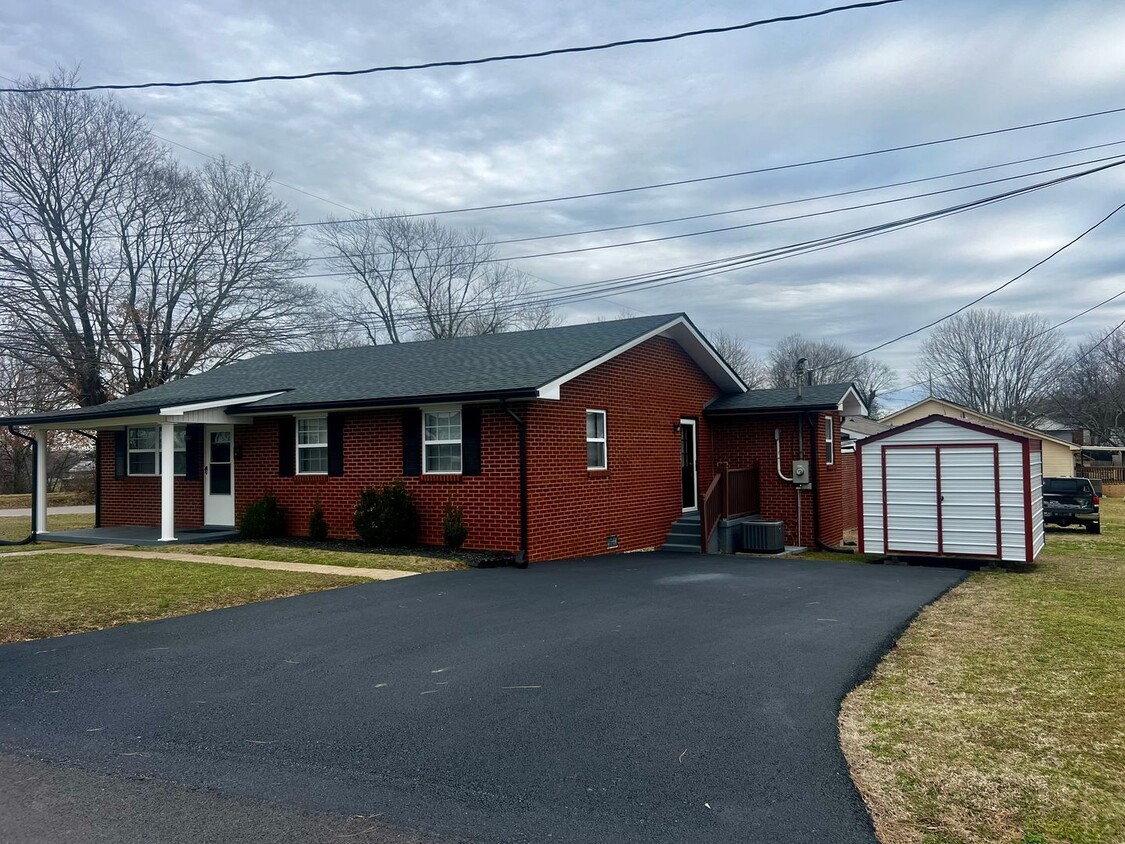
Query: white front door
{"points": [[218, 477]]}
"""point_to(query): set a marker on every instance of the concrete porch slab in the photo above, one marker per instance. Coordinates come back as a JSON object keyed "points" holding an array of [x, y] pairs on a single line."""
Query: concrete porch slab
{"points": [[137, 535]]}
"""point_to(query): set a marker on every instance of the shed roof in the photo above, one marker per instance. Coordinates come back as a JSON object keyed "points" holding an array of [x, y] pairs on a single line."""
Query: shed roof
{"points": [[934, 418]]}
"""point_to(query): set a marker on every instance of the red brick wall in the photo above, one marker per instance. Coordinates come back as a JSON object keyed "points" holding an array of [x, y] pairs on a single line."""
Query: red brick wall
{"points": [[847, 490], [373, 457], [644, 392], [749, 440], [136, 501]]}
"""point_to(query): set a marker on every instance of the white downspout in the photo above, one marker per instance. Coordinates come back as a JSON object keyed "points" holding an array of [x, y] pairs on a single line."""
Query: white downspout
{"points": [[167, 481], [40, 482]]}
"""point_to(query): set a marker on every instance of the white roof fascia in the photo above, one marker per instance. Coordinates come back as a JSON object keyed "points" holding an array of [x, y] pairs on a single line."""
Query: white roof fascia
{"points": [[97, 424], [181, 409], [680, 330], [854, 394]]}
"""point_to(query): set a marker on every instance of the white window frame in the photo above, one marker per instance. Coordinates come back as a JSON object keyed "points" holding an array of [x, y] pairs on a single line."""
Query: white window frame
{"points": [[309, 446], [829, 441], [603, 439], [459, 442], [130, 451]]}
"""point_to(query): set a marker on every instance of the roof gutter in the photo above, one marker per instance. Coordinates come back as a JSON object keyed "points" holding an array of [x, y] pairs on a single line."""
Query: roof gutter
{"points": [[375, 404]]}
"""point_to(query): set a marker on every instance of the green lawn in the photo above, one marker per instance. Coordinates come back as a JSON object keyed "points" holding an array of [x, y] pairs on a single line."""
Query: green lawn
{"points": [[417, 561], [52, 594], [1000, 715], [15, 528]]}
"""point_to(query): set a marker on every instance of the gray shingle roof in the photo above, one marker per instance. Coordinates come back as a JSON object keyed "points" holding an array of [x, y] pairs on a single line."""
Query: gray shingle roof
{"points": [[492, 365], [815, 397]]}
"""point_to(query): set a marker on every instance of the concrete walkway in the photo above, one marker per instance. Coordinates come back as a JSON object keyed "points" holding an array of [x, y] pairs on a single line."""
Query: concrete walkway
{"points": [[241, 562], [81, 509]]}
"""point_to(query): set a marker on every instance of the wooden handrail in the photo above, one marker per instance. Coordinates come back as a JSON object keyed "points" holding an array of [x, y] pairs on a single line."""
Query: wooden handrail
{"points": [[732, 493], [710, 511]]}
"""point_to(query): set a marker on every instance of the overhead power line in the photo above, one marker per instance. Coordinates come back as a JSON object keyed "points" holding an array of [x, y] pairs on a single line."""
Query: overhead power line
{"points": [[706, 269], [509, 57], [980, 298], [1026, 340]]}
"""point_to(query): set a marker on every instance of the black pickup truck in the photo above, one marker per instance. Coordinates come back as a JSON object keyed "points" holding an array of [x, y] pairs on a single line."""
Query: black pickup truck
{"points": [[1071, 501]]}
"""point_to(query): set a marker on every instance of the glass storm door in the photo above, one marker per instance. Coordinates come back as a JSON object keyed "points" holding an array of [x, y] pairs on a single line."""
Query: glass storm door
{"points": [[688, 480], [218, 477]]}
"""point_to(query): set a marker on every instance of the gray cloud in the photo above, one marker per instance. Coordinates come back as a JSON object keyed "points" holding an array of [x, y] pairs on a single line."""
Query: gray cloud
{"points": [[449, 138]]}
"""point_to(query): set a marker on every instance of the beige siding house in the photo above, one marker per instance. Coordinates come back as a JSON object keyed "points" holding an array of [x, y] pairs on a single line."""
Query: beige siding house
{"points": [[1058, 455]]}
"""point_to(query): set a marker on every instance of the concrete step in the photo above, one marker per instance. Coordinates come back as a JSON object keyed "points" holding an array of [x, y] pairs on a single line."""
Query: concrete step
{"points": [[681, 548], [683, 532]]}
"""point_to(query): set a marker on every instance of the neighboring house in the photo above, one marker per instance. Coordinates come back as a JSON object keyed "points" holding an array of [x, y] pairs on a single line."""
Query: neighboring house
{"points": [[1061, 431], [1058, 455], [856, 428], [560, 442]]}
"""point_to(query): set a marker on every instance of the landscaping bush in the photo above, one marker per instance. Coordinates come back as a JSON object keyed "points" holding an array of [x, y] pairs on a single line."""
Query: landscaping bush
{"points": [[263, 519], [318, 525], [387, 517], [453, 526]]}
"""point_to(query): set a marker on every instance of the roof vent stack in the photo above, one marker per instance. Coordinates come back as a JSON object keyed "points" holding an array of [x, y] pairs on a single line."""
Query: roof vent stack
{"points": [[802, 366]]}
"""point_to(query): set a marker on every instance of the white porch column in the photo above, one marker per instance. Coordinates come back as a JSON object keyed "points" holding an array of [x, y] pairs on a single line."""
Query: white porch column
{"points": [[40, 481], [167, 481]]}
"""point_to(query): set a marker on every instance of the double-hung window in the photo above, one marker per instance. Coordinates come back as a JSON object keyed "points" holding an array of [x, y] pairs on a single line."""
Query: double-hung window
{"points": [[441, 442], [144, 450], [595, 439], [312, 445], [829, 441]]}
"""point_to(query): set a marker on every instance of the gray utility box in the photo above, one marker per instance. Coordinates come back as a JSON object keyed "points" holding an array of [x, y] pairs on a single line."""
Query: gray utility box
{"points": [[763, 537]]}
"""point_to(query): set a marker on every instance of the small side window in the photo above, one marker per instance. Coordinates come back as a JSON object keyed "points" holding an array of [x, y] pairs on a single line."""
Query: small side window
{"points": [[596, 457], [829, 441]]}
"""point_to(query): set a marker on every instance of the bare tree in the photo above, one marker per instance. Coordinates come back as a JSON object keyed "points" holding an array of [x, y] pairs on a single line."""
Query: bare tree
{"points": [[417, 278], [736, 352], [1001, 364], [830, 362], [1090, 391], [207, 258], [24, 389], [120, 270], [66, 165]]}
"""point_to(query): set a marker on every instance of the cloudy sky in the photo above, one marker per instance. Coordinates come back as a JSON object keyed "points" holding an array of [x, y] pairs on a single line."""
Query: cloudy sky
{"points": [[856, 81]]}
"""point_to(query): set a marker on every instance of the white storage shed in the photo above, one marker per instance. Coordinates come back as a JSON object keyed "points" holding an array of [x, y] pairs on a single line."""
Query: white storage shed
{"points": [[941, 486]]}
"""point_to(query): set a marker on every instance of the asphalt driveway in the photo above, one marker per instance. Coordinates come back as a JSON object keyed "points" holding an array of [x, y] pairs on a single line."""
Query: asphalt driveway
{"points": [[649, 697]]}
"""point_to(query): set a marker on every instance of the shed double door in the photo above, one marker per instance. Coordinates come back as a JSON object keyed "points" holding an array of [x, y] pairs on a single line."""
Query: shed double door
{"points": [[942, 499]]}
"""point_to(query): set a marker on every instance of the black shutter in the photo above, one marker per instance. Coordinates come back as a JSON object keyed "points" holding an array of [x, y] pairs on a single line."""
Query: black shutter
{"points": [[470, 440], [120, 454], [411, 442], [286, 446], [335, 445], [193, 450]]}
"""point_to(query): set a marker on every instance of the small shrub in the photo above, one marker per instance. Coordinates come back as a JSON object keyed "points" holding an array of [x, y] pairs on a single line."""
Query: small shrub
{"points": [[386, 517], [263, 519], [318, 525], [453, 526]]}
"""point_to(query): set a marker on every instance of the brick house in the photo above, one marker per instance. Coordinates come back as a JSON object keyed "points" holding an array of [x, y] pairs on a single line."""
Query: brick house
{"points": [[561, 442]]}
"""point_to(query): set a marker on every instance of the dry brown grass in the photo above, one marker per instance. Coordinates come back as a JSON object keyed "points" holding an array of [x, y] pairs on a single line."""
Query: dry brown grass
{"points": [[1000, 715]]}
